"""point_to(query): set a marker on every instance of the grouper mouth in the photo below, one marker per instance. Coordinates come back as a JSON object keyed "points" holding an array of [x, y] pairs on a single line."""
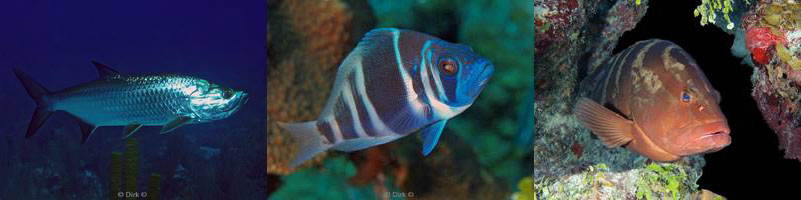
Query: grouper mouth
{"points": [[712, 137]]}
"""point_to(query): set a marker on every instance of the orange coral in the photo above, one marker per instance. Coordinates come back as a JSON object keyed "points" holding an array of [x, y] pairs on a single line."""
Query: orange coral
{"points": [[314, 41]]}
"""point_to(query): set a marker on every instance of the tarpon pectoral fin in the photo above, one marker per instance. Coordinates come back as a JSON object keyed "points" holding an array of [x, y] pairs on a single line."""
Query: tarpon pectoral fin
{"points": [[431, 136], [86, 130], [613, 130], [104, 71], [130, 129], [178, 122]]}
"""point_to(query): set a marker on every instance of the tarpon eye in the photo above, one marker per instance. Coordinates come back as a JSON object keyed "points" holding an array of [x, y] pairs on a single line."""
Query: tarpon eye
{"points": [[685, 96], [227, 94], [448, 67]]}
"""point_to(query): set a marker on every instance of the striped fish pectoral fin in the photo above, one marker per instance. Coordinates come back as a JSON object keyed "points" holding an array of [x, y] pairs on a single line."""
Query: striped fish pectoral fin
{"points": [[105, 71], [407, 120], [130, 129], [309, 139], [613, 130], [177, 122], [431, 136], [86, 130]]}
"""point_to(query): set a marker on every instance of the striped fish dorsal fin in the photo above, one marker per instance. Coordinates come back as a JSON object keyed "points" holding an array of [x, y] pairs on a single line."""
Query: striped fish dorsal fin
{"points": [[377, 38], [104, 71]]}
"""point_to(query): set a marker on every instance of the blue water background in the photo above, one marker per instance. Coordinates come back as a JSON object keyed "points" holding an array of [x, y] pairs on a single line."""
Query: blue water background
{"points": [[54, 42]]}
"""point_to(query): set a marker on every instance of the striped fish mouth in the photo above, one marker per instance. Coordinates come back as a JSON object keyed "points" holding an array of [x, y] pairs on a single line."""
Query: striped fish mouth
{"points": [[483, 79]]}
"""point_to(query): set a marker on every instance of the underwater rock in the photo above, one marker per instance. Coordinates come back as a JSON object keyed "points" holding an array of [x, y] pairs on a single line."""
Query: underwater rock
{"points": [[573, 38], [370, 164], [307, 42], [453, 172], [773, 40]]}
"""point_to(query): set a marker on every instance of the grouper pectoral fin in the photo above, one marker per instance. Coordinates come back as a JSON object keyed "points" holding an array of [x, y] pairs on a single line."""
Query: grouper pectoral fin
{"points": [[177, 122], [130, 129], [431, 136], [86, 130], [613, 130], [104, 71]]}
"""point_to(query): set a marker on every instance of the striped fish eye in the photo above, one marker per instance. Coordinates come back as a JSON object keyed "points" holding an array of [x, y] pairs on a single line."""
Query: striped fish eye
{"points": [[448, 67], [685, 96]]}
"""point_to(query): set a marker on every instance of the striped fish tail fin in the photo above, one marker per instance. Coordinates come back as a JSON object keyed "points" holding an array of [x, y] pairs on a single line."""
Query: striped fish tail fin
{"points": [[310, 141]]}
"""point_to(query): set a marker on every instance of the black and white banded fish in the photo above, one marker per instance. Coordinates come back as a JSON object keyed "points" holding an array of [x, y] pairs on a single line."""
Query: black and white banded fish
{"points": [[392, 84], [133, 101]]}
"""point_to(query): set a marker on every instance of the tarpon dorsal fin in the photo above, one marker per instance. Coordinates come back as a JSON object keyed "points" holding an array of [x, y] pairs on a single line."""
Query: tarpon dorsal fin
{"points": [[104, 71]]}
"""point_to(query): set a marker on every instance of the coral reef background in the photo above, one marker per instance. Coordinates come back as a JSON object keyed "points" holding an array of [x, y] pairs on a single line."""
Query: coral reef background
{"points": [[765, 41], [54, 42]]}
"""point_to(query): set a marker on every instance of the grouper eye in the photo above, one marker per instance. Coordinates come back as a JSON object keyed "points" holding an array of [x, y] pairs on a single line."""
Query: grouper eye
{"points": [[448, 66], [685, 96]]}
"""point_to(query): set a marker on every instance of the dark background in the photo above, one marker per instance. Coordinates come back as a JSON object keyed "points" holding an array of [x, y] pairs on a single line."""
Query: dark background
{"points": [[753, 164], [54, 41]]}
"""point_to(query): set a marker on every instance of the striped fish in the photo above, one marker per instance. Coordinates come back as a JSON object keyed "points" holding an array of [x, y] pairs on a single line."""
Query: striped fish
{"points": [[392, 84], [133, 101], [654, 99]]}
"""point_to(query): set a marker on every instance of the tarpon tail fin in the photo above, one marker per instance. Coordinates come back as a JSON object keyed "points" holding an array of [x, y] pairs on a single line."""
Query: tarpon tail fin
{"points": [[309, 139], [39, 94]]}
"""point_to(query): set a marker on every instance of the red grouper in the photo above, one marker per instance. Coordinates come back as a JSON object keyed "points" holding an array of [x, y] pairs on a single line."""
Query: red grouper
{"points": [[654, 99], [392, 84]]}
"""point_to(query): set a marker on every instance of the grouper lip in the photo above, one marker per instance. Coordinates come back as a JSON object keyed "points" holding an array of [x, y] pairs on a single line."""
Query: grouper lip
{"points": [[714, 129], [715, 135]]}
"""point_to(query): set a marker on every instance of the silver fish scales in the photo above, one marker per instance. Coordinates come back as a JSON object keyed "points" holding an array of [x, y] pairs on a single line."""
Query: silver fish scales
{"points": [[135, 101]]}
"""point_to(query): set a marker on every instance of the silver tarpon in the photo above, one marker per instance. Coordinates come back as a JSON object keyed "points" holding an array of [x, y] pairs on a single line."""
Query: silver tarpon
{"points": [[133, 101]]}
